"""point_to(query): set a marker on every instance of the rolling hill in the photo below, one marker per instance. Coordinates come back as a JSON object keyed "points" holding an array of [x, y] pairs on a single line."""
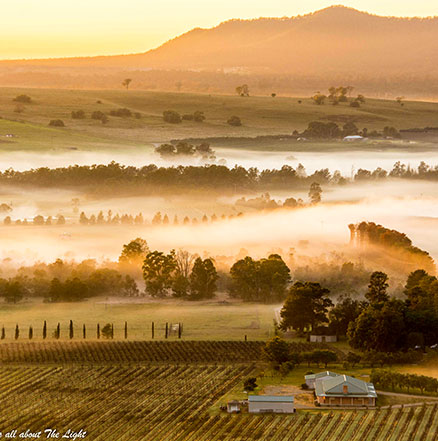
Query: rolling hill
{"points": [[333, 40]]}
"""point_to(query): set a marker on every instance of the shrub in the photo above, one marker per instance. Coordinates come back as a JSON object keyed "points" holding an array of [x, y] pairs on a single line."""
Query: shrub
{"points": [[188, 117], [171, 116], [355, 104], [234, 121], [25, 99], [57, 123], [78, 114], [99, 116], [107, 331], [250, 384], [121, 113], [304, 386], [199, 116]]}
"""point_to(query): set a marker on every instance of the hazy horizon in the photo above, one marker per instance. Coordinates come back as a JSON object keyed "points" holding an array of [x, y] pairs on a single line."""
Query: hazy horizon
{"points": [[50, 31]]}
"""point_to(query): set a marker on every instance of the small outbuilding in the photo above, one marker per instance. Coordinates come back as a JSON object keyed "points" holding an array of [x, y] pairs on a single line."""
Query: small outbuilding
{"points": [[271, 404], [311, 378], [233, 406], [323, 338]]}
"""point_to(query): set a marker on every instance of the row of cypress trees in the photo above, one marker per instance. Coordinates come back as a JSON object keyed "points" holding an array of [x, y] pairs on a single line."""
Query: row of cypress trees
{"points": [[107, 331]]}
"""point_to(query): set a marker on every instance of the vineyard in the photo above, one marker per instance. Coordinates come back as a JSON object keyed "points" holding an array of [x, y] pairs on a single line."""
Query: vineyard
{"points": [[171, 402], [138, 351]]}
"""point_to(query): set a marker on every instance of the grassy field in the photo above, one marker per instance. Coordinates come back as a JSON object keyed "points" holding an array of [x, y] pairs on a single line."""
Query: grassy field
{"points": [[260, 116], [214, 321]]}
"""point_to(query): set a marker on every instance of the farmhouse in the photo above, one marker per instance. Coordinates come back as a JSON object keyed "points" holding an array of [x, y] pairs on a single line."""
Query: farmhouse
{"points": [[233, 406], [343, 390], [311, 378], [270, 404]]}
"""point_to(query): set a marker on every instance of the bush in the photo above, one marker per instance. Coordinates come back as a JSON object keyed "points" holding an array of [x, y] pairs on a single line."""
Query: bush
{"points": [[355, 104], [199, 116], [188, 117], [24, 99], [57, 123], [171, 116], [78, 114], [121, 113], [99, 116], [234, 121], [304, 386], [250, 384]]}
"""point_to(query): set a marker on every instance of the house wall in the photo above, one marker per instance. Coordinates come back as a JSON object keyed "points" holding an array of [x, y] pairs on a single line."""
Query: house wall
{"points": [[323, 338], [264, 407], [346, 401]]}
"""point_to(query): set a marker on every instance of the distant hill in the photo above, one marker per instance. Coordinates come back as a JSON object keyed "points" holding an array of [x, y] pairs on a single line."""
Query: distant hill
{"points": [[333, 40]]}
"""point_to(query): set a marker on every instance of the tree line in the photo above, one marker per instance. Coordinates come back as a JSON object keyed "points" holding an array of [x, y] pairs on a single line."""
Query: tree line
{"points": [[378, 323]]}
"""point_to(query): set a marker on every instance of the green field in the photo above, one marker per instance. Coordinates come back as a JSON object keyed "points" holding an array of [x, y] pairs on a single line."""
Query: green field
{"points": [[204, 321], [260, 116]]}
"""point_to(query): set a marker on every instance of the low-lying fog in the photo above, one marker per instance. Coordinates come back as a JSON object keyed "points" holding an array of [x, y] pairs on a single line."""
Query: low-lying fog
{"points": [[410, 207], [344, 161]]}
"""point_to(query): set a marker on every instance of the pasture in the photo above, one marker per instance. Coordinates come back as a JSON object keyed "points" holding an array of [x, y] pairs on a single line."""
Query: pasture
{"points": [[260, 116]]}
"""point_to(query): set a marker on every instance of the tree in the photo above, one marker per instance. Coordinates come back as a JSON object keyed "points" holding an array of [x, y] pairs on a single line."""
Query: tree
{"points": [[242, 90], [319, 98], [171, 116], [315, 192], [78, 114], [134, 252], [56, 123], [324, 356], [158, 269], [107, 331], [353, 358], [276, 351], [343, 313], [377, 288], [203, 280], [44, 330], [71, 330], [17, 332], [13, 291], [30, 332], [250, 384], [126, 83], [234, 121], [24, 99], [263, 280], [306, 306]]}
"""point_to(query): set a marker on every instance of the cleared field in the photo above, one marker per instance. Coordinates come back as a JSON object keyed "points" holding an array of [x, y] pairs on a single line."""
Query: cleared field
{"points": [[171, 402], [214, 320], [260, 116]]}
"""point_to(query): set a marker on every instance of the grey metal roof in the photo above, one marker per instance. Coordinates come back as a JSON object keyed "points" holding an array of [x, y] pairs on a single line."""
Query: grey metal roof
{"points": [[270, 398], [333, 387], [320, 375]]}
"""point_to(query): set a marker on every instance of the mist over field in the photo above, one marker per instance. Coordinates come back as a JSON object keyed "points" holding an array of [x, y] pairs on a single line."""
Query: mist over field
{"points": [[411, 207]]}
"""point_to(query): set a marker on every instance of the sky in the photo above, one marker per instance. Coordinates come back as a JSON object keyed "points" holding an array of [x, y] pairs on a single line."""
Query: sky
{"points": [[63, 28]]}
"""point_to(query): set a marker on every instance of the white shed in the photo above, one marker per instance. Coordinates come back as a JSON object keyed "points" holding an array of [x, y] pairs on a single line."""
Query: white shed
{"points": [[271, 404]]}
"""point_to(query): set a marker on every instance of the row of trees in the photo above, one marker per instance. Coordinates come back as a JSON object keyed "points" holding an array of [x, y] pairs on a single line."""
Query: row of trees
{"points": [[182, 148], [331, 130], [384, 377], [115, 177], [180, 274]]}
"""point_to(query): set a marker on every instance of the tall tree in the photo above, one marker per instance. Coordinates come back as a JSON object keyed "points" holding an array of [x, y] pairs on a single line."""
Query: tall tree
{"points": [[134, 252], [377, 288], [315, 192], [158, 269], [126, 82], [305, 307], [203, 279]]}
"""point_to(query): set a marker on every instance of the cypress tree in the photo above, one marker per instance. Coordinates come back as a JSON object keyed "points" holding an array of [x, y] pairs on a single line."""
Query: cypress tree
{"points": [[98, 331], [112, 331], [58, 331], [30, 332], [126, 330], [153, 330], [179, 330], [45, 330], [17, 332], [84, 331], [3, 333], [71, 330], [167, 330]]}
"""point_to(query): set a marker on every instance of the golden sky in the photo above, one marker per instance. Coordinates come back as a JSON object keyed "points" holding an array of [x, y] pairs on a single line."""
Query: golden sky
{"points": [[60, 28]]}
